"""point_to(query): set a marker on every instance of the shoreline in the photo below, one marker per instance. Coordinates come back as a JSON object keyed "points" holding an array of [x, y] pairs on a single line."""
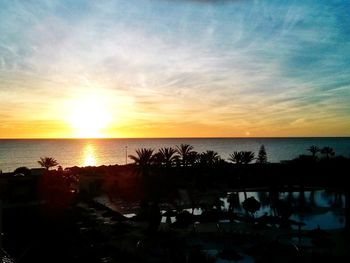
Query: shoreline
{"points": [[111, 151]]}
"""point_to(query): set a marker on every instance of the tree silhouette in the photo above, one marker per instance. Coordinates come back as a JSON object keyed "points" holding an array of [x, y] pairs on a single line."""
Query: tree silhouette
{"points": [[193, 158], [247, 157], [166, 156], [236, 157], [328, 151], [242, 157], [314, 150], [143, 159], [47, 162], [209, 158], [262, 156], [251, 205], [144, 156], [185, 151]]}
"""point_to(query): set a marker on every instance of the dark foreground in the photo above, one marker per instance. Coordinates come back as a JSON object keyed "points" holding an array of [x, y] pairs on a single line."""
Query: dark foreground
{"points": [[53, 216]]}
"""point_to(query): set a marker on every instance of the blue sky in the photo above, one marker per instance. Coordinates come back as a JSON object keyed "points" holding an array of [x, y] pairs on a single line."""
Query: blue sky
{"points": [[177, 67]]}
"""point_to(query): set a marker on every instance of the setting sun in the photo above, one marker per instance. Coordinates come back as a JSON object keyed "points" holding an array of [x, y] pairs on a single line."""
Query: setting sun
{"points": [[119, 110], [89, 117], [111, 69]]}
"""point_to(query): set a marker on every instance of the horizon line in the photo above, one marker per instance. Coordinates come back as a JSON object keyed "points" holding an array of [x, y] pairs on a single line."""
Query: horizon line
{"points": [[207, 137]]}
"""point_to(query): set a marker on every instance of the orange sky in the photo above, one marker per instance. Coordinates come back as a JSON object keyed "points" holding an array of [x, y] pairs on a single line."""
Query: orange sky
{"points": [[149, 69]]}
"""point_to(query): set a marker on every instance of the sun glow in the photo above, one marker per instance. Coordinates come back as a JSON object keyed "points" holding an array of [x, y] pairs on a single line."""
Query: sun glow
{"points": [[89, 155], [89, 117]]}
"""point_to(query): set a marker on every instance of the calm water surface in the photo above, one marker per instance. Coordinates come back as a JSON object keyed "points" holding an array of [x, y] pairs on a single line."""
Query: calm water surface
{"points": [[320, 208], [85, 152]]}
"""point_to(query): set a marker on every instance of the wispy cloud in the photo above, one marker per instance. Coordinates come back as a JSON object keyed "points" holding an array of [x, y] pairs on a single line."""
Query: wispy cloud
{"points": [[270, 67]]}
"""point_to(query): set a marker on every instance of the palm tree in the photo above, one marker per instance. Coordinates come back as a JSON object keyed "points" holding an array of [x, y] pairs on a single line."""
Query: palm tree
{"points": [[313, 150], [209, 158], [242, 157], [143, 159], [328, 151], [166, 156], [47, 162], [247, 157], [236, 157], [186, 153]]}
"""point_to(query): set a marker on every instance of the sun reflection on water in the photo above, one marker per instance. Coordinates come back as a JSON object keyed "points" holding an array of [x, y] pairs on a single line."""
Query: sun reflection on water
{"points": [[89, 155]]}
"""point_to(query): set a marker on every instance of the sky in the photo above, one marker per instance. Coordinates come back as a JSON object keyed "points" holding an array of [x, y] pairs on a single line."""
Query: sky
{"points": [[174, 68]]}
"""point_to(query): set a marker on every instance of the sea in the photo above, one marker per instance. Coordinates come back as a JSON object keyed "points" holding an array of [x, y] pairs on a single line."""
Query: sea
{"points": [[15, 153]]}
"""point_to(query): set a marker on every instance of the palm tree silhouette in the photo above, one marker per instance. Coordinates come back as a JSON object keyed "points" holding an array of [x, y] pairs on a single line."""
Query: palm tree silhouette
{"points": [[236, 157], [47, 162], [247, 157], [143, 159], [328, 151], [314, 150], [193, 158], [166, 156], [242, 157], [186, 153], [144, 156], [209, 157]]}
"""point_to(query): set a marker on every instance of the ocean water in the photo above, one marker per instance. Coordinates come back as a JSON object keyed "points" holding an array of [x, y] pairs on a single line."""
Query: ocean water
{"points": [[86, 152]]}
